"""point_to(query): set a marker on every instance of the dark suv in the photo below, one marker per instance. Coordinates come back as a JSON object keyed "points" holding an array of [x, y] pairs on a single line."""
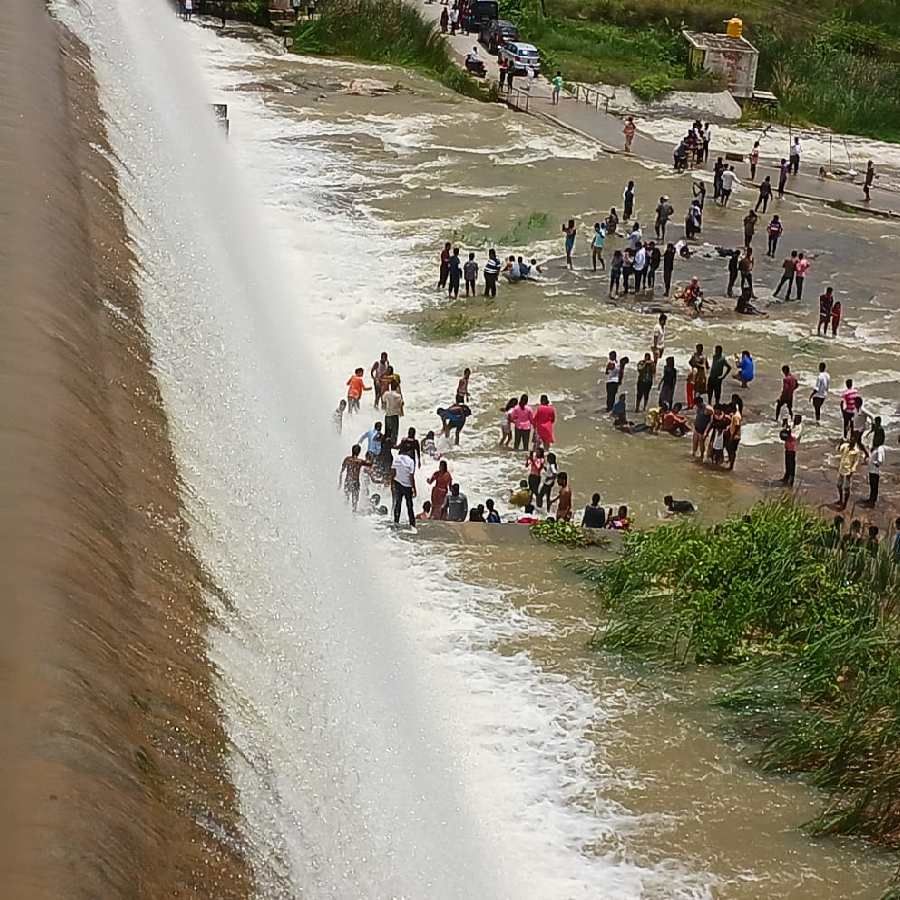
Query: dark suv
{"points": [[495, 34]]}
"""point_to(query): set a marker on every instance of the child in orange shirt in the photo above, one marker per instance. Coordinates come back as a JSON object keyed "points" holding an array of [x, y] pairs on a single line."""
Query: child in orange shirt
{"points": [[355, 388]]}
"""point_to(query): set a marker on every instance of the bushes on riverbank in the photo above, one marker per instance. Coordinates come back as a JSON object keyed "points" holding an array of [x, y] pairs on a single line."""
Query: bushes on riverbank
{"points": [[389, 32], [812, 623], [835, 64]]}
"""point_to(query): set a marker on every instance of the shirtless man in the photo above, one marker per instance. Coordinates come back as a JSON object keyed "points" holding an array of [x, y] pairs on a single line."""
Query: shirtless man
{"points": [[378, 371], [563, 498], [349, 475]]}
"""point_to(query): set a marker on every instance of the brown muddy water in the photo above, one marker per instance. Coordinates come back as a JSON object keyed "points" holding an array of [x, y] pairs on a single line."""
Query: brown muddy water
{"points": [[362, 191]]}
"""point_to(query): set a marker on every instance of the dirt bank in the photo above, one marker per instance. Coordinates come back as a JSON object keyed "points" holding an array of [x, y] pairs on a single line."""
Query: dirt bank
{"points": [[111, 756]]}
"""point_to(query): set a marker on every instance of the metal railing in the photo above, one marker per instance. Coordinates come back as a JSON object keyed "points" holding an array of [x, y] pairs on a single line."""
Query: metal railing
{"points": [[517, 99], [592, 96]]}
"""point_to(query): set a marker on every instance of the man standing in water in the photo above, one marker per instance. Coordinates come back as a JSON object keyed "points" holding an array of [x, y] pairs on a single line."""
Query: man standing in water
{"points": [[629, 131], [718, 371], [563, 498], [350, 469], [628, 200], [664, 212], [850, 453], [791, 437], [444, 269], [795, 156], [876, 460], [783, 172], [491, 274], [749, 227], [788, 268], [456, 506], [786, 397], [801, 267], [393, 409], [403, 484], [378, 371], [658, 344], [826, 304], [454, 275], [470, 271], [668, 267], [820, 391], [612, 379]]}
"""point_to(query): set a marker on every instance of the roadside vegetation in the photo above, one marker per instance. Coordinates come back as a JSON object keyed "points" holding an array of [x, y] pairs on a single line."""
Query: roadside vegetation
{"points": [[832, 63], [809, 628], [390, 32]]}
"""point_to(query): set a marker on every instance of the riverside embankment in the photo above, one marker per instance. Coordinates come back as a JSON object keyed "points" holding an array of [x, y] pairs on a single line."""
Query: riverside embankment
{"points": [[112, 778]]}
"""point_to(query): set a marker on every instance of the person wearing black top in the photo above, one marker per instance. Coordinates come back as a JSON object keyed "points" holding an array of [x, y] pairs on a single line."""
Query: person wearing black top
{"points": [[668, 267], [678, 506], [654, 258], [667, 382], [594, 515], [733, 262], [628, 199], [718, 372]]}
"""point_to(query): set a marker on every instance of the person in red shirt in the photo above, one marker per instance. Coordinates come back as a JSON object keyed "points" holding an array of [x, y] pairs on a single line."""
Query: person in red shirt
{"points": [[790, 434], [529, 518], [788, 387], [355, 388], [801, 267], [444, 270], [543, 422]]}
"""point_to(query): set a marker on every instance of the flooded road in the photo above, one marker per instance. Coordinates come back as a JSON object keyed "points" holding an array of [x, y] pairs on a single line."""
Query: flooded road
{"points": [[618, 768]]}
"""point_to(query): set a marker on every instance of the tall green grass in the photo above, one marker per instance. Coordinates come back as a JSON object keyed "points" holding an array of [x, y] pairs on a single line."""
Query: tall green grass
{"points": [[385, 31], [814, 628]]}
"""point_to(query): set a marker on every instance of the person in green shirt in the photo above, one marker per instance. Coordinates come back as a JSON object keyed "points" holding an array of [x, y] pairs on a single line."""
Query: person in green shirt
{"points": [[557, 86]]}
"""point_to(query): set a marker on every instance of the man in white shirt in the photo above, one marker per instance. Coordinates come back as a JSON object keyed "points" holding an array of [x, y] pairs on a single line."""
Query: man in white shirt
{"points": [[659, 338], [876, 461], [636, 238], [728, 180], [403, 484], [640, 268], [393, 409], [820, 391], [795, 156]]}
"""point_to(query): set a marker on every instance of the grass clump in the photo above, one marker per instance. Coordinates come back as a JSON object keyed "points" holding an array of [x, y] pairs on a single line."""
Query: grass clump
{"points": [[814, 626], [390, 32], [519, 234], [450, 326]]}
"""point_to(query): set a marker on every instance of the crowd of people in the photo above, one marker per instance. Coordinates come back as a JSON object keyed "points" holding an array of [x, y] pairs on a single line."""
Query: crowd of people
{"points": [[713, 414]]}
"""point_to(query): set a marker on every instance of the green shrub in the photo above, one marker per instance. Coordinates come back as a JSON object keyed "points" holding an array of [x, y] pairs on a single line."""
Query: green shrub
{"points": [[651, 87], [390, 32], [815, 626], [450, 326]]}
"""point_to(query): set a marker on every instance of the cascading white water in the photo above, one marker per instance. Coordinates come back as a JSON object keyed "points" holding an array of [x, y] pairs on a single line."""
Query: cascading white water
{"points": [[352, 708]]}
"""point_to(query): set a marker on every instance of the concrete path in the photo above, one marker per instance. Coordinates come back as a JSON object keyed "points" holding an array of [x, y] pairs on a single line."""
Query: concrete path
{"points": [[606, 129]]}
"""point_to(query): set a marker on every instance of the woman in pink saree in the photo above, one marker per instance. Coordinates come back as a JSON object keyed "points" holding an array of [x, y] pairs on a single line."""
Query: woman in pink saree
{"points": [[544, 420]]}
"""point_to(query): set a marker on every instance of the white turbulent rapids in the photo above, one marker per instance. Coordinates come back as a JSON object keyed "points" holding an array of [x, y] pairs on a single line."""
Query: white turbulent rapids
{"points": [[380, 748]]}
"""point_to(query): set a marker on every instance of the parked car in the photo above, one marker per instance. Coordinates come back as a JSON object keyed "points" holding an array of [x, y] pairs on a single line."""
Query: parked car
{"points": [[479, 13], [521, 57], [497, 33]]}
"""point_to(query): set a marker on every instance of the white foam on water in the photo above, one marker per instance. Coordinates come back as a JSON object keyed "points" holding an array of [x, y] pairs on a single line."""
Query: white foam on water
{"points": [[381, 747]]}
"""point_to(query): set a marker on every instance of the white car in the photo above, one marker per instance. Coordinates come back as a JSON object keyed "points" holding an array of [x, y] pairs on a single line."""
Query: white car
{"points": [[521, 57]]}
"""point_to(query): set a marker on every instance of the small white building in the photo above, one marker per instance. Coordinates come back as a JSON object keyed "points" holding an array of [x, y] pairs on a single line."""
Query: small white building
{"points": [[734, 58]]}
